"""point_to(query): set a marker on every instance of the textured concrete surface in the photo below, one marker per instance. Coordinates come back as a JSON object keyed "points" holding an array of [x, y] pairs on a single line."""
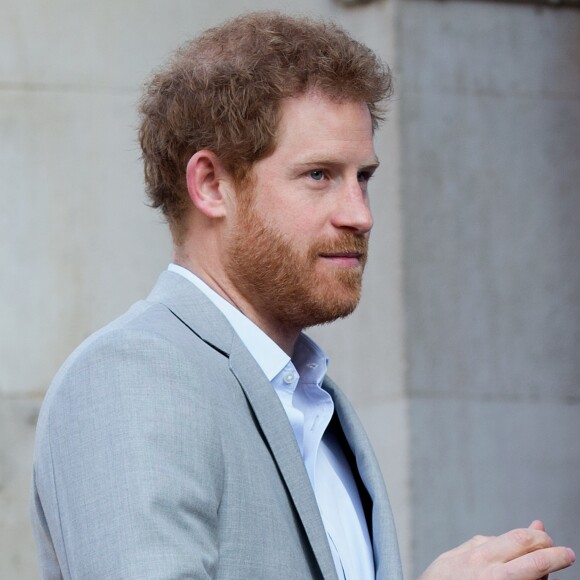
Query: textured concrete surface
{"points": [[17, 423], [492, 272], [490, 138], [71, 180], [482, 467]]}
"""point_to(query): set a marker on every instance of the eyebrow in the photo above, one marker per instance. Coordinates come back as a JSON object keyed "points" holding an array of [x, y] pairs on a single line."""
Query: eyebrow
{"points": [[330, 161]]}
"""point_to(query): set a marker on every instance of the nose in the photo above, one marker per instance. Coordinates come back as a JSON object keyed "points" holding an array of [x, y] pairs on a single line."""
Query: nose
{"points": [[352, 210]]}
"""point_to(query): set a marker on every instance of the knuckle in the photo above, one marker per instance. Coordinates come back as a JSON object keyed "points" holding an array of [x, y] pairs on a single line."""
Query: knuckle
{"points": [[522, 537], [540, 563]]}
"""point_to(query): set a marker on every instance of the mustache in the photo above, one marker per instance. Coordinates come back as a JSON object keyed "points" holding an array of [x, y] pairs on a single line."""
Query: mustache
{"points": [[346, 244]]}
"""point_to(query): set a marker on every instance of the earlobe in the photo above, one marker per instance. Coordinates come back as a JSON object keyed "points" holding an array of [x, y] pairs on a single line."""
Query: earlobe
{"points": [[207, 184]]}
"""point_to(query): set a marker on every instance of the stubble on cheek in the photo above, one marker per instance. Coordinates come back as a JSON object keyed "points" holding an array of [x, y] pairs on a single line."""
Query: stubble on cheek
{"points": [[295, 289]]}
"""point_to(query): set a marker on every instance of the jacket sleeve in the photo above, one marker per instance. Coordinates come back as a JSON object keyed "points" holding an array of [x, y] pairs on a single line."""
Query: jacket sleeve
{"points": [[128, 465]]}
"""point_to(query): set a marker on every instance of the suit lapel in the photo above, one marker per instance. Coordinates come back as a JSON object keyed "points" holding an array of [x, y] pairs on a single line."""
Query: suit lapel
{"points": [[198, 313], [280, 438], [384, 536]]}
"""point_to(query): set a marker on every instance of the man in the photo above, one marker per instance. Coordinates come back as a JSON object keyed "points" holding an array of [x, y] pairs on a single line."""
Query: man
{"points": [[197, 436]]}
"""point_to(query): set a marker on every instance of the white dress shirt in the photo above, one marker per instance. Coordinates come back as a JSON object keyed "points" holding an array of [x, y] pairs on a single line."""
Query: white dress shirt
{"points": [[298, 384]]}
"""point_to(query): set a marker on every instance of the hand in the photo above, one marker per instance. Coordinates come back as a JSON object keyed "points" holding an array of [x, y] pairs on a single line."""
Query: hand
{"points": [[522, 554]]}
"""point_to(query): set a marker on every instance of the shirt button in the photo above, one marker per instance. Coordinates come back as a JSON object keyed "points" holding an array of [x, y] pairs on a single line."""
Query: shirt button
{"points": [[288, 378]]}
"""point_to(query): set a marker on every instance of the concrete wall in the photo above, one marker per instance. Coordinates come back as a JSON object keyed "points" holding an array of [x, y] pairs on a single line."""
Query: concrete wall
{"points": [[490, 142], [462, 358]]}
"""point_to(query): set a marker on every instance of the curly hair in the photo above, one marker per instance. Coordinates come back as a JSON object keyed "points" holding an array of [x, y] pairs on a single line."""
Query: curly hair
{"points": [[222, 91]]}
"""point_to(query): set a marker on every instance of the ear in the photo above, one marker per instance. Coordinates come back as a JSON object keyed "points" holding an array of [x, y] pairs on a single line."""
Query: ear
{"points": [[208, 184]]}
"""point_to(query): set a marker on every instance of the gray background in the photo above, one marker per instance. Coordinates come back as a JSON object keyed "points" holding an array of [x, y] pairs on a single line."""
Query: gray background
{"points": [[463, 358]]}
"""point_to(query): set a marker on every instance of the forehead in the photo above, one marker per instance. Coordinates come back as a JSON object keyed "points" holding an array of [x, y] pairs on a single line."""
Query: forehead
{"points": [[312, 124]]}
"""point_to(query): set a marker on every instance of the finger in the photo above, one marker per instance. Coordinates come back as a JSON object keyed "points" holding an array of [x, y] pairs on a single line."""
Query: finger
{"points": [[538, 564], [537, 525], [514, 544]]}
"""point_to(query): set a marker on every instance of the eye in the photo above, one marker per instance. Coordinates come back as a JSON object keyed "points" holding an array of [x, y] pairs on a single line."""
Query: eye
{"points": [[364, 176], [317, 174]]}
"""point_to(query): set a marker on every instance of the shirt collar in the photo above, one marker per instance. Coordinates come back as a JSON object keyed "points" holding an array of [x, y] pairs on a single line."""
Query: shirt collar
{"points": [[309, 359], [269, 356]]}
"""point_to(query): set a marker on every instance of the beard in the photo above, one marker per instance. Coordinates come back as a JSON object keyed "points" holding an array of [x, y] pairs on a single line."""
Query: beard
{"points": [[291, 288]]}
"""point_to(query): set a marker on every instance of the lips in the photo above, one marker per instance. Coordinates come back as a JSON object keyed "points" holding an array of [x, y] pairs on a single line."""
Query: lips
{"points": [[345, 259]]}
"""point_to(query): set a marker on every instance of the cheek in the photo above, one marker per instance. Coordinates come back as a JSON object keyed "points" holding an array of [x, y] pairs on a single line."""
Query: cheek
{"points": [[301, 233], [292, 212]]}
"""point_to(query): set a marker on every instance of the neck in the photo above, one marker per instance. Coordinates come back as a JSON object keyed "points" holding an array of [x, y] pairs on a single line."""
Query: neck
{"points": [[285, 337]]}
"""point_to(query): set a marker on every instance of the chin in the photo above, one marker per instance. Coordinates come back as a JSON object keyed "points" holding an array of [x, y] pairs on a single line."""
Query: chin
{"points": [[332, 308]]}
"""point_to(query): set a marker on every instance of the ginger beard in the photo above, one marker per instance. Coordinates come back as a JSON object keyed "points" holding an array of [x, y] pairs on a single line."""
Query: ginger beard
{"points": [[293, 289]]}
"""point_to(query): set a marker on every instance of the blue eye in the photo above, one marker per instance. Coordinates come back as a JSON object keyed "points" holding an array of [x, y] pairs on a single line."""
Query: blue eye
{"points": [[363, 176], [317, 174]]}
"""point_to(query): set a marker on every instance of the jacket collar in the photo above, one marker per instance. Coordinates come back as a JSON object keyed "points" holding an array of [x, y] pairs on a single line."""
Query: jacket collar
{"points": [[194, 310]]}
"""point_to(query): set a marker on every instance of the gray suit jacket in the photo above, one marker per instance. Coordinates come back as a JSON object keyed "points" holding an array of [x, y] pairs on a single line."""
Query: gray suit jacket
{"points": [[163, 452]]}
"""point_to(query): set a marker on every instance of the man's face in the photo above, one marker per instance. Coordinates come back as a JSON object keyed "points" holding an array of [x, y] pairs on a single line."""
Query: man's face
{"points": [[299, 245]]}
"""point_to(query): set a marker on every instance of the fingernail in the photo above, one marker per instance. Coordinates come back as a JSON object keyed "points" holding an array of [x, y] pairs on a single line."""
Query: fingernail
{"points": [[572, 555]]}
